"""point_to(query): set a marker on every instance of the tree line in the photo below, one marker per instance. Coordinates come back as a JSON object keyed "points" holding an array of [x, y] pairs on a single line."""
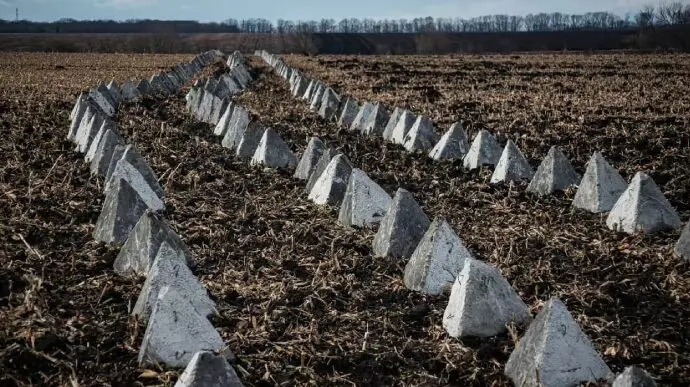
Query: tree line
{"points": [[674, 13]]}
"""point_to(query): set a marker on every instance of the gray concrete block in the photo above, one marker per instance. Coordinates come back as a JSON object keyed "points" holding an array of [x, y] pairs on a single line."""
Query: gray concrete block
{"points": [[634, 376], [484, 151], [554, 352], [330, 187], [321, 166], [238, 124], [512, 166], [402, 228], [121, 210], [206, 369], [310, 158], [105, 149], [482, 303], [600, 187], [251, 138], [422, 136], [365, 203], [402, 127], [555, 173], [452, 145], [437, 260], [273, 152], [643, 208]]}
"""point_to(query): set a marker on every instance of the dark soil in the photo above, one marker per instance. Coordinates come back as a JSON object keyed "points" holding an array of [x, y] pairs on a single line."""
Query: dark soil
{"points": [[301, 299]]}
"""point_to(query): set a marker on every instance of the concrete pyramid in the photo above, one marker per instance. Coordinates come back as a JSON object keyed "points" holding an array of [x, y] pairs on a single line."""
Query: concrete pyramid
{"points": [[601, 186], [131, 167], [203, 110], [175, 332], [101, 95], [105, 149], [121, 210], [421, 136], [682, 247], [634, 377], [437, 260], [375, 122], [404, 124], [300, 87], [484, 151], [482, 303], [310, 90], [309, 159], [348, 112], [392, 121], [331, 185], [362, 117], [93, 146], [224, 122], [250, 140], [642, 208], [192, 99], [206, 369], [329, 104], [321, 165], [402, 228], [118, 151], [554, 352], [87, 132], [273, 152], [77, 115], [452, 145], [115, 91], [365, 203], [144, 88], [315, 102], [132, 175], [144, 242], [238, 124], [129, 91], [169, 268], [218, 107], [555, 173], [512, 166]]}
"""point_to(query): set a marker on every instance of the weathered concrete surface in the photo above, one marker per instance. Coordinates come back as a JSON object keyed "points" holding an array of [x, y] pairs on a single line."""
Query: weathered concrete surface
{"points": [[512, 166], [634, 376], [169, 268], [555, 173], [224, 123], [365, 202], [329, 104], [130, 92], [361, 117], [105, 149], [76, 116], [93, 146], [601, 186], [452, 145], [175, 332], [422, 136], [115, 91], [437, 260], [315, 102], [554, 352], [217, 109], [404, 124], [348, 112], [643, 208], [88, 130], [250, 140], [238, 124], [300, 87], [482, 303], [131, 157], [375, 122], [392, 121], [310, 90], [402, 228], [321, 166], [331, 185], [144, 88], [206, 369], [273, 152], [121, 210], [310, 158], [682, 247], [144, 242], [484, 151]]}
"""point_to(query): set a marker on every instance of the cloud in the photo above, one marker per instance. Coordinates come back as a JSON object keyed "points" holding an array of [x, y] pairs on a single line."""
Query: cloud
{"points": [[124, 4], [4, 3]]}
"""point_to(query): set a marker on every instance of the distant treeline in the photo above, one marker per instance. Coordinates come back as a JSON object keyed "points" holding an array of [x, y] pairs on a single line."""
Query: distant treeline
{"points": [[664, 15]]}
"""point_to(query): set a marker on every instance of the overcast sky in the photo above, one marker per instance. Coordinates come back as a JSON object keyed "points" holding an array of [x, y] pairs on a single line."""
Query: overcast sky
{"points": [[218, 10]]}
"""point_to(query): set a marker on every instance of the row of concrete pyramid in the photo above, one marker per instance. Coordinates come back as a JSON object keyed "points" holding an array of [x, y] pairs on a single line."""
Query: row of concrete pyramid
{"points": [[636, 207], [173, 300], [482, 302]]}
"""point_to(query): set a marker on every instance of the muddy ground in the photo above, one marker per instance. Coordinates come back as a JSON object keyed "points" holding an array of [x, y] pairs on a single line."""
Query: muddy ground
{"points": [[301, 299]]}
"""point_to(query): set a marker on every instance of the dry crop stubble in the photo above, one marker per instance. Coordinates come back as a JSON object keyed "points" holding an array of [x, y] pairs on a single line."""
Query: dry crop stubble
{"points": [[301, 299]]}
